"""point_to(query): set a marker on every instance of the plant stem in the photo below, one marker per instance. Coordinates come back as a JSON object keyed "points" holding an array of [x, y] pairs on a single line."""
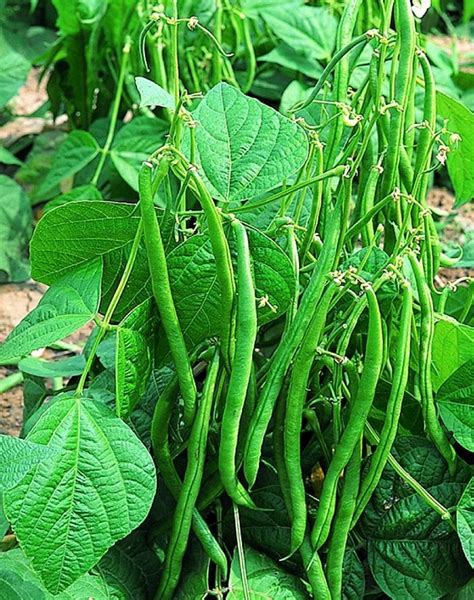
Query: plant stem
{"points": [[103, 327], [114, 113], [11, 381], [430, 500]]}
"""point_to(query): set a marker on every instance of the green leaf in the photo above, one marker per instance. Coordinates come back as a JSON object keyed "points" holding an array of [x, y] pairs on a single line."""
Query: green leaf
{"points": [[18, 457], [38, 367], [130, 569], [83, 192], [289, 57], [15, 563], [199, 311], [151, 94], [8, 158], [461, 159], [265, 578], [134, 143], [98, 488], [353, 576], [453, 345], [77, 234], [15, 231], [244, 147], [465, 521], [132, 369], [69, 304], [455, 399], [14, 71], [253, 8], [412, 552], [76, 152], [310, 31]]}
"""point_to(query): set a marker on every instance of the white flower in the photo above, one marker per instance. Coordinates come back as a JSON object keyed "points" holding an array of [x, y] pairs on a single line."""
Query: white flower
{"points": [[420, 7]]}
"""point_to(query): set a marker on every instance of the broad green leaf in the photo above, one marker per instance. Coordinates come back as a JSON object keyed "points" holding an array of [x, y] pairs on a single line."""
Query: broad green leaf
{"points": [[86, 587], [253, 8], [453, 345], [76, 152], [8, 158], [245, 147], [353, 576], [18, 457], [196, 290], [309, 30], [83, 192], [98, 488], [68, 304], [13, 73], [465, 521], [287, 56], [4, 525], [134, 143], [455, 399], [13, 587], [151, 94], [266, 579], [132, 369], [15, 230], [413, 553], [78, 233], [461, 159], [130, 569], [38, 367]]}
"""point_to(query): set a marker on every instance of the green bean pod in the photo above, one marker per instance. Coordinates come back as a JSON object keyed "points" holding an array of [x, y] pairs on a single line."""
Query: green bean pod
{"points": [[433, 426], [162, 290], [245, 332], [405, 26], [394, 406], [353, 431], [164, 462], [342, 523], [294, 415], [288, 346], [189, 492]]}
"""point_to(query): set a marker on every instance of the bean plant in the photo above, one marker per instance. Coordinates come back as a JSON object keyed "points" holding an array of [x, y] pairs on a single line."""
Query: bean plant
{"points": [[275, 400]]}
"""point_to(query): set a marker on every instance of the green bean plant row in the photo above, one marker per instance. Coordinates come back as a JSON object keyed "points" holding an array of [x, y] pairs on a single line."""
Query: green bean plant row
{"points": [[276, 397]]}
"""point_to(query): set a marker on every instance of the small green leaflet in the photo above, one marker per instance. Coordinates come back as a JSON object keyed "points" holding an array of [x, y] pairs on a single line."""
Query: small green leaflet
{"points": [[68, 305], [15, 231], [14, 71], [132, 369], [38, 367], [151, 94], [75, 153], [134, 143], [288, 57], [465, 521], [310, 31], [455, 399], [460, 159], [265, 579], [18, 457], [453, 345], [8, 158], [97, 488], [244, 147]]}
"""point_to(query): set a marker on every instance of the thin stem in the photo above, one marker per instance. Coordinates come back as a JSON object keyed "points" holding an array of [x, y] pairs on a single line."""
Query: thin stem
{"points": [[103, 327], [430, 500], [114, 114], [240, 550], [11, 381]]}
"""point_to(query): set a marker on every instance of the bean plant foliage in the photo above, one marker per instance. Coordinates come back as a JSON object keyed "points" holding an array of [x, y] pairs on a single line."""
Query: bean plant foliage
{"points": [[276, 397]]}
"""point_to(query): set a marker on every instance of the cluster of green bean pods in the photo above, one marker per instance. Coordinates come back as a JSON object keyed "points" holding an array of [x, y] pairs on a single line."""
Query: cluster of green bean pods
{"points": [[316, 371]]}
